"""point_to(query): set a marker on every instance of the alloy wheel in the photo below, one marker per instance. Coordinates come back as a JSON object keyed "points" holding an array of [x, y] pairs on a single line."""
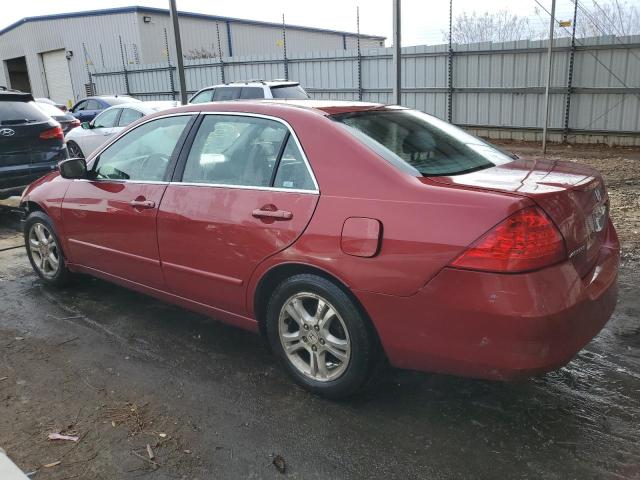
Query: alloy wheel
{"points": [[314, 337], [74, 150], [44, 250]]}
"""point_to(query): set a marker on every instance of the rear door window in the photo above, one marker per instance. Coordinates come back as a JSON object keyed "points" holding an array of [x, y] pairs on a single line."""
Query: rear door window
{"points": [[226, 93], [252, 92], [128, 116], [203, 97], [235, 150], [293, 172]]}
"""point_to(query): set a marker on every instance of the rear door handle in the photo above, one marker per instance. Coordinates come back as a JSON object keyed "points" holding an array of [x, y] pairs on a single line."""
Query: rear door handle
{"points": [[277, 214], [142, 203]]}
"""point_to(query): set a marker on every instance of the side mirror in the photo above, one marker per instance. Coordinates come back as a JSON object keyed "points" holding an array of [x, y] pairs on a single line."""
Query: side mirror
{"points": [[73, 168], [86, 125]]}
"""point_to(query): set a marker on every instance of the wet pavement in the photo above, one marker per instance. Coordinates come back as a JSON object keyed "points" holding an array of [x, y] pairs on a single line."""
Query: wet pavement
{"points": [[124, 371]]}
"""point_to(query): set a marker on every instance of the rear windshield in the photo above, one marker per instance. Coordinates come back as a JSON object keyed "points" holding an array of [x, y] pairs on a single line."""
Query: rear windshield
{"points": [[294, 92], [16, 113], [50, 110], [421, 144]]}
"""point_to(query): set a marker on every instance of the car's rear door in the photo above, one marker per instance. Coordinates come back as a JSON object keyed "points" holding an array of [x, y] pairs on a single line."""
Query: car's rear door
{"points": [[110, 219], [243, 192]]}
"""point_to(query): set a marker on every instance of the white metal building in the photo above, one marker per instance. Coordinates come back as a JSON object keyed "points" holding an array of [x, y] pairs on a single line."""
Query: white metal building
{"points": [[49, 55]]}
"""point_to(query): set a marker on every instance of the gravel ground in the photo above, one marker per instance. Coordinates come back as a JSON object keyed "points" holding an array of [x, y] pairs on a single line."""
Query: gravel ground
{"points": [[131, 376]]}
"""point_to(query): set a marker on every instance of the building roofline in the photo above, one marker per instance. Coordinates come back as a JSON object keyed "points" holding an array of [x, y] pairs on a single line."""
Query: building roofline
{"points": [[162, 11]]}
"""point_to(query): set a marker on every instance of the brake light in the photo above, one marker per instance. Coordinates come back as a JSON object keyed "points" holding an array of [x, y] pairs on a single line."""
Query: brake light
{"points": [[74, 123], [527, 240], [53, 133]]}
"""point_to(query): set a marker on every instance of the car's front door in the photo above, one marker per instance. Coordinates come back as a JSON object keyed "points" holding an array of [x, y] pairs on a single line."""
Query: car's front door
{"points": [[79, 109], [110, 219], [102, 128], [93, 108], [243, 192]]}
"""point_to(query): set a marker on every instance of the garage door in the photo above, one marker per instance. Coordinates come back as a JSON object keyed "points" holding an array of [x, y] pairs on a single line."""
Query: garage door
{"points": [[56, 72]]}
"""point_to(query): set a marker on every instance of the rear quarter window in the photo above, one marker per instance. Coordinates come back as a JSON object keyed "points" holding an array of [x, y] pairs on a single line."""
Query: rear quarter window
{"points": [[292, 92]]}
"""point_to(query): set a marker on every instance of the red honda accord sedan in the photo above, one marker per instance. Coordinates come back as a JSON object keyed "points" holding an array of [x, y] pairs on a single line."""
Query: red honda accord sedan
{"points": [[345, 232]]}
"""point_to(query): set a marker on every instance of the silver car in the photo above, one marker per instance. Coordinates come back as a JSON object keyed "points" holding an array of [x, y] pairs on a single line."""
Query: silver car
{"points": [[81, 142]]}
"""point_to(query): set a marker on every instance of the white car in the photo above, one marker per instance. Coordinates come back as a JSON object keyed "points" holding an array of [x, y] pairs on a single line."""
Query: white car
{"points": [[253, 89], [111, 121]]}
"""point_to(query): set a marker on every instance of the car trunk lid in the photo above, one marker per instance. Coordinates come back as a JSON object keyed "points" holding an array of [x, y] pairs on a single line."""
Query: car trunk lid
{"points": [[574, 197]]}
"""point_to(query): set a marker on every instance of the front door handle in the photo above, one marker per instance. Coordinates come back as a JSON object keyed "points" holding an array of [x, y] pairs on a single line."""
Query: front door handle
{"points": [[270, 211], [142, 203]]}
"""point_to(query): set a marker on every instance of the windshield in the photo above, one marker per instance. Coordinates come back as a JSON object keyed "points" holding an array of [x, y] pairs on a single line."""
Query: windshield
{"points": [[421, 144], [15, 113], [292, 92]]}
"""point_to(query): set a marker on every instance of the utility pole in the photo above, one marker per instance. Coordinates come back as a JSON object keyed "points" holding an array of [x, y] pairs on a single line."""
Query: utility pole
{"points": [[549, 66], [176, 38], [397, 55]]}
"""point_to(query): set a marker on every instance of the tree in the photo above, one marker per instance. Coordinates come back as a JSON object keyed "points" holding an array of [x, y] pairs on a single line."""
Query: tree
{"points": [[595, 18], [607, 18], [501, 26]]}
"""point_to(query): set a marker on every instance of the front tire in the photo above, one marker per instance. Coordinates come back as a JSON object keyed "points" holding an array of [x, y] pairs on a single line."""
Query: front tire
{"points": [[321, 336], [44, 250], [74, 150]]}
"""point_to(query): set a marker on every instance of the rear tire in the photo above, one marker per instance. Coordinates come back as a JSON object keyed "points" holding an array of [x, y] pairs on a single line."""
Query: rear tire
{"points": [[321, 336], [44, 250], [74, 150]]}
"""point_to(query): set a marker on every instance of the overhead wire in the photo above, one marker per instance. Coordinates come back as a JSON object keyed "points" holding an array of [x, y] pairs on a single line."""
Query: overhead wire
{"points": [[622, 82]]}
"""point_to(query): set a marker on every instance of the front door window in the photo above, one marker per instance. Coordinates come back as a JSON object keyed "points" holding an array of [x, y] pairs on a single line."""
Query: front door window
{"points": [[144, 153]]}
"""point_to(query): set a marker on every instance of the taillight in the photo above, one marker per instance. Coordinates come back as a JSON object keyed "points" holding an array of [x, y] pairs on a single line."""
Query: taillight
{"points": [[74, 123], [53, 133], [525, 241]]}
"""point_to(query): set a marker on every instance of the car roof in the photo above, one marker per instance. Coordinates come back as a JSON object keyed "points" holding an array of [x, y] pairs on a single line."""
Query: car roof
{"points": [[282, 106], [147, 107], [255, 83], [107, 98], [327, 107]]}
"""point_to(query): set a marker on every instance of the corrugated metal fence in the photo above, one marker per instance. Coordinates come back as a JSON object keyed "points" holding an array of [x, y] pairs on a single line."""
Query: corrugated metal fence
{"points": [[496, 89]]}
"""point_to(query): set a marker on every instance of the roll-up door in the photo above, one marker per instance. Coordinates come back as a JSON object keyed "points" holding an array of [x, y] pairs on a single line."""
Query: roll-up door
{"points": [[57, 74]]}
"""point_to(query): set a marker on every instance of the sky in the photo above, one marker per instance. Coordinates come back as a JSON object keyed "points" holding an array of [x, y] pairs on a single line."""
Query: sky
{"points": [[423, 20]]}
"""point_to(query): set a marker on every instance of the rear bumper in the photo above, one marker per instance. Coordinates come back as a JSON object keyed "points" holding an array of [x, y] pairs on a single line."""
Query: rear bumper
{"points": [[501, 327], [27, 168]]}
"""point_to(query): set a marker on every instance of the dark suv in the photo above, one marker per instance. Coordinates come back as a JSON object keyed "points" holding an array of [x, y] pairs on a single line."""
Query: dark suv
{"points": [[31, 142]]}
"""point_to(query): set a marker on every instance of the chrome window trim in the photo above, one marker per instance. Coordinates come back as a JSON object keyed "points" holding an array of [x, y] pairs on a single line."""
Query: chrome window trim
{"points": [[315, 191], [245, 187], [117, 180], [292, 135]]}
